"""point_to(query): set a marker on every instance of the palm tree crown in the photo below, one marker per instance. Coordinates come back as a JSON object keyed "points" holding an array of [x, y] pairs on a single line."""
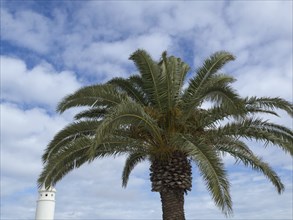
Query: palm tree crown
{"points": [[157, 116]]}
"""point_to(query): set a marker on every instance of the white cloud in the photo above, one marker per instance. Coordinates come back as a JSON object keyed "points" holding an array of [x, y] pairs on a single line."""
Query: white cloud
{"points": [[110, 59], [26, 28], [24, 136], [259, 33], [246, 189], [39, 85], [257, 80], [260, 190], [262, 20]]}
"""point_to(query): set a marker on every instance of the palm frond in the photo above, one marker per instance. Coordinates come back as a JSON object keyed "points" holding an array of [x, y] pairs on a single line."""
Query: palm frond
{"points": [[80, 151], [137, 82], [212, 170], [132, 160], [115, 144], [127, 85], [258, 129], [216, 114], [218, 91], [253, 110], [167, 77], [92, 96], [68, 159], [126, 114], [204, 73], [150, 74], [68, 135], [240, 151], [173, 72], [92, 113], [267, 103]]}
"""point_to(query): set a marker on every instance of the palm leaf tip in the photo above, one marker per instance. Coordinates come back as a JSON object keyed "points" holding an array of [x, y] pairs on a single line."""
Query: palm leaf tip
{"points": [[132, 160], [61, 105], [135, 53], [268, 103], [164, 54]]}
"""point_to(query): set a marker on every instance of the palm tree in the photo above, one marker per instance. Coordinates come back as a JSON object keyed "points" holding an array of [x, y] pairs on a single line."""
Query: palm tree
{"points": [[156, 116]]}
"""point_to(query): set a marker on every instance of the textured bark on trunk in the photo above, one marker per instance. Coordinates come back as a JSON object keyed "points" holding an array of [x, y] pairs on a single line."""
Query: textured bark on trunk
{"points": [[172, 177], [173, 205]]}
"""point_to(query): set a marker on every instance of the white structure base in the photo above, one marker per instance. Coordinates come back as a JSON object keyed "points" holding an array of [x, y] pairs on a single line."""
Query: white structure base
{"points": [[46, 204]]}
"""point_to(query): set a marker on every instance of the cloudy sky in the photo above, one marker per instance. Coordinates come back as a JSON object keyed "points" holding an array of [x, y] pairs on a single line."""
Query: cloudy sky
{"points": [[51, 48]]}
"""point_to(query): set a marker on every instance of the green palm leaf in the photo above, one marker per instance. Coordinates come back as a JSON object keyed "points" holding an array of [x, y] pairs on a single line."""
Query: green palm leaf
{"points": [[212, 171], [218, 91], [204, 73], [267, 103], [126, 114], [92, 96], [173, 72], [68, 135], [80, 151], [94, 113], [258, 129], [132, 160], [151, 77], [130, 88], [240, 152], [68, 159]]}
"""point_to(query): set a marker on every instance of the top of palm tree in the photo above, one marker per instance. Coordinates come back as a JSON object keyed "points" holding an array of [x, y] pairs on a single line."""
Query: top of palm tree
{"points": [[151, 115]]}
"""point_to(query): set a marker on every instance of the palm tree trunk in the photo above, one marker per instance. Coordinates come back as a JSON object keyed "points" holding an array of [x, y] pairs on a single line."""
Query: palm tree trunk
{"points": [[172, 177], [173, 204]]}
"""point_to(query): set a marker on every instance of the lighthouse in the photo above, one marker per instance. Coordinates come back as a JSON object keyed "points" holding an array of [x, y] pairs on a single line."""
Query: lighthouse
{"points": [[46, 204]]}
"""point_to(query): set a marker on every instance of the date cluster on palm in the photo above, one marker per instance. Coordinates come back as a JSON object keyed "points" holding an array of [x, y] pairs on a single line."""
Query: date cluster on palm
{"points": [[172, 173]]}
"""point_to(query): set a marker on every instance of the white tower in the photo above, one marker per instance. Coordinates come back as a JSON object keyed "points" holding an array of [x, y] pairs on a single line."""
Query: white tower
{"points": [[46, 204]]}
